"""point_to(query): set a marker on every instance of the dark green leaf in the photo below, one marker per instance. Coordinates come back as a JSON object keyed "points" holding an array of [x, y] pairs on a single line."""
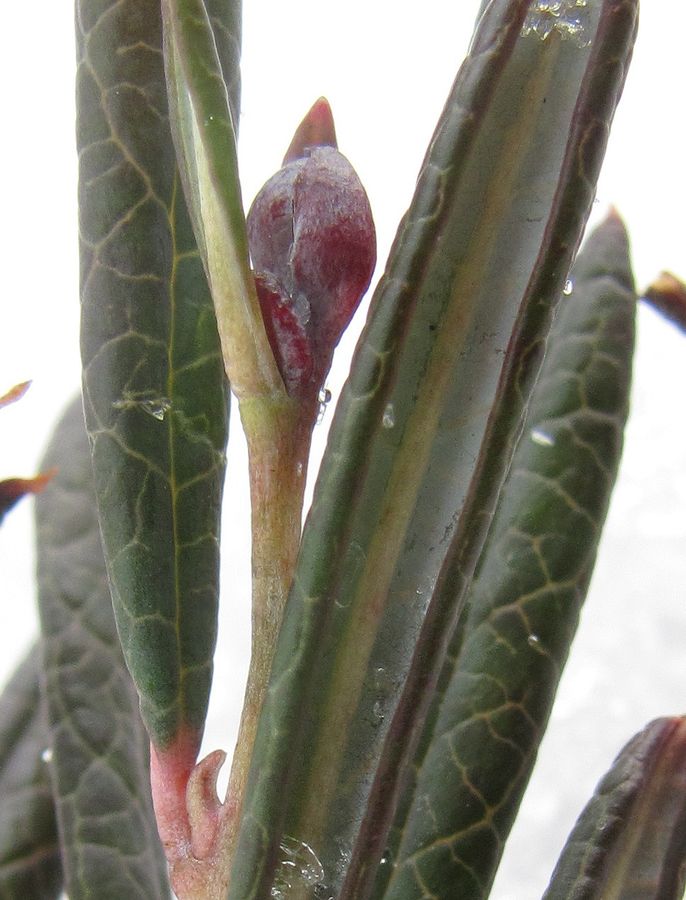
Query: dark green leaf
{"points": [[155, 393], [417, 451], [30, 864], [98, 746], [522, 610], [630, 841]]}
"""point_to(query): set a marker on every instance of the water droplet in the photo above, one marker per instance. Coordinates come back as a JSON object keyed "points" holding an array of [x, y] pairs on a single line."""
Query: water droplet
{"points": [[46, 755], [380, 677], [568, 288], [157, 407], [378, 712], [387, 858], [388, 420], [569, 18], [533, 640], [542, 438], [322, 892], [209, 120], [298, 867], [324, 400], [299, 469]]}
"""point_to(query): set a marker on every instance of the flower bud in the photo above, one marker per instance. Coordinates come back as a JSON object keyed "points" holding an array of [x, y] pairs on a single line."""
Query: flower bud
{"points": [[313, 249]]}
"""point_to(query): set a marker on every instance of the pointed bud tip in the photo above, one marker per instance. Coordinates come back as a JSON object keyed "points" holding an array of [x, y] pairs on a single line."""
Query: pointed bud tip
{"points": [[614, 215], [317, 129]]}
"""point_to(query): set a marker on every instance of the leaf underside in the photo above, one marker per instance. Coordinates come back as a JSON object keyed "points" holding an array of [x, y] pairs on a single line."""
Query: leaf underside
{"points": [[97, 743], [30, 863], [416, 457], [155, 394]]}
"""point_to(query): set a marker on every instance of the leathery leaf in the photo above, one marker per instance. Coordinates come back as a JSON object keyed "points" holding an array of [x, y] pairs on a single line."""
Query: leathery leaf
{"points": [[630, 841], [97, 749], [155, 394], [498, 684], [421, 440], [29, 848]]}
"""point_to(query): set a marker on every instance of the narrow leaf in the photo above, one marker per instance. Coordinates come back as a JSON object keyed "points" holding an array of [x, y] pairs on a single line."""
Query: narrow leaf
{"points": [[415, 456], [523, 607], [14, 394], [30, 863], [630, 841], [204, 129], [97, 744], [155, 393]]}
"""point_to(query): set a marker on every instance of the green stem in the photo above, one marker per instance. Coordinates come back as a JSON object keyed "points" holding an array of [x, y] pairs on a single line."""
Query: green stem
{"points": [[278, 433], [278, 448]]}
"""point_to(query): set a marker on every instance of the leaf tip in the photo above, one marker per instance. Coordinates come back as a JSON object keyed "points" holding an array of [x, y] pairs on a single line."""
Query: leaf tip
{"points": [[667, 295], [203, 804], [15, 393], [317, 129]]}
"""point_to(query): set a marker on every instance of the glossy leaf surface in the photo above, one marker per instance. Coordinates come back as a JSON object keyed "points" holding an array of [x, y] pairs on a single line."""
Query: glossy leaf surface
{"points": [[29, 848], [630, 841], [98, 748], [154, 388], [522, 610], [415, 456]]}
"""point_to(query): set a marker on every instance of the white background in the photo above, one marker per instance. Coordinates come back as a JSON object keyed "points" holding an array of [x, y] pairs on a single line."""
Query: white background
{"points": [[386, 66]]}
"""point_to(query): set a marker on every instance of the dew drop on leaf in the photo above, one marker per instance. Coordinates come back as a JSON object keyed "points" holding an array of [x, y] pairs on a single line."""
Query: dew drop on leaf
{"points": [[388, 420], [568, 18], [157, 407], [298, 867], [542, 438], [324, 400]]}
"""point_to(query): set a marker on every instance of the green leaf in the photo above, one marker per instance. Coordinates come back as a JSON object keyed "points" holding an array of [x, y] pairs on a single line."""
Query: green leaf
{"points": [[98, 746], [204, 129], [422, 438], [155, 394], [630, 841], [29, 848], [522, 610]]}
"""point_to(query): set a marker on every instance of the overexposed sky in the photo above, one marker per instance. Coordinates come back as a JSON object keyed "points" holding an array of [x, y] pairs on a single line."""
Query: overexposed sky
{"points": [[386, 68]]}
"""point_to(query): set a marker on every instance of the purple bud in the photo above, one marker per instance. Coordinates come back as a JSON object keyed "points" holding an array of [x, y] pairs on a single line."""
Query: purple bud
{"points": [[313, 249]]}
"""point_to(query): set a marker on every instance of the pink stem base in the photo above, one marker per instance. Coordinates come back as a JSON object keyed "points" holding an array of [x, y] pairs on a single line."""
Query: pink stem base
{"points": [[190, 817]]}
